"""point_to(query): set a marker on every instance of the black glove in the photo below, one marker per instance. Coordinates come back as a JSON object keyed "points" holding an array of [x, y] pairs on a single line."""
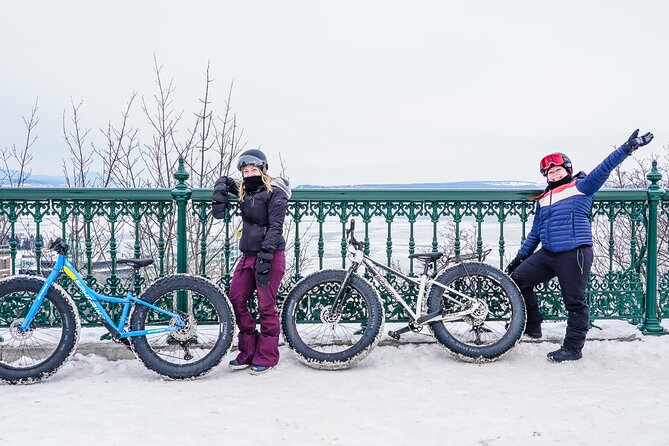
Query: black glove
{"points": [[219, 201], [221, 188], [635, 141], [513, 264], [263, 265]]}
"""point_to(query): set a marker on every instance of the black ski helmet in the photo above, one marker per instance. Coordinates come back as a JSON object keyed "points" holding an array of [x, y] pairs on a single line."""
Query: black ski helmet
{"points": [[252, 157]]}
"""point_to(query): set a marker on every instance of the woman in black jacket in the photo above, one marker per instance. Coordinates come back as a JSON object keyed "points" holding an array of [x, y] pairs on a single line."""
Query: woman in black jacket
{"points": [[263, 203]]}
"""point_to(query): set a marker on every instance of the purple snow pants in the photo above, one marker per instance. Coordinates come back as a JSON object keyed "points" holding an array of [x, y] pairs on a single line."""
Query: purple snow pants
{"points": [[257, 348]]}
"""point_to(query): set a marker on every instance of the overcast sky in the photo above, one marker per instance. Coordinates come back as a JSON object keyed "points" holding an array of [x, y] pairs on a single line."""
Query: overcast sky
{"points": [[359, 91]]}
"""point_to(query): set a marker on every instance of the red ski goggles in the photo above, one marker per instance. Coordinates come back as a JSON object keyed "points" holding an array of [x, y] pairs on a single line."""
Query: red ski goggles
{"points": [[554, 159]]}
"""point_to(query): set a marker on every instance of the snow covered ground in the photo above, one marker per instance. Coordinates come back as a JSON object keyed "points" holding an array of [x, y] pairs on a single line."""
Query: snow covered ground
{"points": [[411, 393]]}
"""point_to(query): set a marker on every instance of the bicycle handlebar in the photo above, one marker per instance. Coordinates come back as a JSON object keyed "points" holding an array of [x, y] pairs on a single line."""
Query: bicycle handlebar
{"points": [[351, 237], [58, 246]]}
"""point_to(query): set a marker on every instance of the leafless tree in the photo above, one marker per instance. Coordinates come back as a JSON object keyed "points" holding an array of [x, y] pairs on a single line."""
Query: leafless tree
{"points": [[15, 169], [467, 239], [305, 260], [80, 155], [125, 160], [120, 155], [613, 244], [15, 164]]}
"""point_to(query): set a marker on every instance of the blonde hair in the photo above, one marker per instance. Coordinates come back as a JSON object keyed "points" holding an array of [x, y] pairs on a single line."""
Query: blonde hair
{"points": [[266, 179]]}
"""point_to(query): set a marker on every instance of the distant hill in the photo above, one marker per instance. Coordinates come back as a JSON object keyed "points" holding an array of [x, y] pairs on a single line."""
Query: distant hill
{"points": [[37, 180], [502, 184], [45, 181], [41, 180]]}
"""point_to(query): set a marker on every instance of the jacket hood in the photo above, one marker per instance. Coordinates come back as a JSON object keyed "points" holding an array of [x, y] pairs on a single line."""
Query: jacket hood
{"points": [[283, 184]]}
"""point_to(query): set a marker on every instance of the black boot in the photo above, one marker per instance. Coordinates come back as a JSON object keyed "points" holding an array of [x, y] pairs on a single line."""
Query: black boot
{"points": [[564, 354], [533, 332]]}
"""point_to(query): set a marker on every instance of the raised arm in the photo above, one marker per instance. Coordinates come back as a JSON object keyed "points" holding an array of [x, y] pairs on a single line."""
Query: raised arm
{"points": [[596, 179]]}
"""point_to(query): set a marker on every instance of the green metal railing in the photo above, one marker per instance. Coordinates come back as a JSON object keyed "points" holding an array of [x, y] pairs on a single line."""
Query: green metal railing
{"points": [[175, 227]]}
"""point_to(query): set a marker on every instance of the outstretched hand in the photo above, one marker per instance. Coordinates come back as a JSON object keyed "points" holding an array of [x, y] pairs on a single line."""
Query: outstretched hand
{"points": [[635, 141]]}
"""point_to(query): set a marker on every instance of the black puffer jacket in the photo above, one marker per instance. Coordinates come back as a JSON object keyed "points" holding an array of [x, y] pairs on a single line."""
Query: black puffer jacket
{"points": [[263, 214]]}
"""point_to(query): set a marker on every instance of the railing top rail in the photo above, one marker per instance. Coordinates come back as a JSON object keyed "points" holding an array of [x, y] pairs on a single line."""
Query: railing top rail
{"points": [[320, 194], [104, 194], [343, 194]]}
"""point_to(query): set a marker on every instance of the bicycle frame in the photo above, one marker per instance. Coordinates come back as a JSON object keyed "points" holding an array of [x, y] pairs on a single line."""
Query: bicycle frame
{"points": [[95, 299], [423, 281]]}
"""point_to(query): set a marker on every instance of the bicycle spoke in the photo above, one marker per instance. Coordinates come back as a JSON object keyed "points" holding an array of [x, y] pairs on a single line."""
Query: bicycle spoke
{"points": [[327, 338], [196, 341], [488, 311], [329, 333], [23, 350]]}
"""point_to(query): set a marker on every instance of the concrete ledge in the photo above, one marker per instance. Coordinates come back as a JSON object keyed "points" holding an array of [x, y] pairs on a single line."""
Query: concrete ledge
{"points": [[604, 330], [114, 352], [107, 350]]}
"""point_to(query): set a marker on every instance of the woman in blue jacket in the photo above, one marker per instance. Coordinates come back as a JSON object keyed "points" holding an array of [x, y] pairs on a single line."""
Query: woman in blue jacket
{"points": [[562, 226], [263, 202]]}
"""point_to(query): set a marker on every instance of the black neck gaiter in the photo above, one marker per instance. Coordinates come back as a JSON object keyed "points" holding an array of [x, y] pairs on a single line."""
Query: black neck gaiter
{"points": [[566, 180], [253, 184]]}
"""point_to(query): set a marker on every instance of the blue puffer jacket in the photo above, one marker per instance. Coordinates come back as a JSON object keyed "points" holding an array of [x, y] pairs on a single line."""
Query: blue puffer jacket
{"points": [[561, 218]]}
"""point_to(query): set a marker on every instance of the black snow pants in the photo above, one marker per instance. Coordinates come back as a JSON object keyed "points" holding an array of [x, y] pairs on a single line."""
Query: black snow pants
{"points": [[572, 269]]}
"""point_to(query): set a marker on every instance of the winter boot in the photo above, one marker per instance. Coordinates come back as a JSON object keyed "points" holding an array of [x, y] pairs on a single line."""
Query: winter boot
{"points": [[533, 332], [563, 354], [259, 369], [236, 365]]}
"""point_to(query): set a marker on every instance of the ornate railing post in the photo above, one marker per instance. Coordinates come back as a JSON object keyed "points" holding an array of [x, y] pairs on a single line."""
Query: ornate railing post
{"points": [[181, 194], [13, 245], [651, 324]]}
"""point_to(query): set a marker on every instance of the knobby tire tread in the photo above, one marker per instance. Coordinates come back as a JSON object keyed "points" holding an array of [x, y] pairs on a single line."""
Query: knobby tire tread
{"points": [[350, 356], [516, 325], [69, 315], [216, 297]]}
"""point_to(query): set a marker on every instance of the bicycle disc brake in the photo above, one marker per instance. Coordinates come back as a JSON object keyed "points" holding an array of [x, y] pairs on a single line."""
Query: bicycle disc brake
{"points": [[17, 333], [477, 320], [479, 312], [186, 332], [328, 317]]}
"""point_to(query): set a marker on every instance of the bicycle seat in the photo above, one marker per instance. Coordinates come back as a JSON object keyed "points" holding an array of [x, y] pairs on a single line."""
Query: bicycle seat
{"points": [[431, 256], [135, 263]]}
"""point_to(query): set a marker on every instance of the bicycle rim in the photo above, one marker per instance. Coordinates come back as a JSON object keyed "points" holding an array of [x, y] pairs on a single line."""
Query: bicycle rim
{"points": [[35, 347], [192, 350], [325, 332], [498, 317], [188, 345]]}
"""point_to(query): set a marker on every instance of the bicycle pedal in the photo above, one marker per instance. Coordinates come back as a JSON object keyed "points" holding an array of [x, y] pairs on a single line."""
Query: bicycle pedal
{"points": [[394, 335]]}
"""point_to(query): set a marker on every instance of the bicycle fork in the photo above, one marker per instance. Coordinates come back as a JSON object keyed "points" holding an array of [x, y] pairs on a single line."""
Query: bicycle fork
{"points": [[338, 301]]}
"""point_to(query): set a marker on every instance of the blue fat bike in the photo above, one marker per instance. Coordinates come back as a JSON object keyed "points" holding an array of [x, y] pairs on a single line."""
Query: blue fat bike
{"points": [[180, 327]]}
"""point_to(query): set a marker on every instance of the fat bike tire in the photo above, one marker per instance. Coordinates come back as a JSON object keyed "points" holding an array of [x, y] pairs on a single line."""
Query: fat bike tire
{"points": [[196, 349], [325, 341], [34, 355], [497, 330]]}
